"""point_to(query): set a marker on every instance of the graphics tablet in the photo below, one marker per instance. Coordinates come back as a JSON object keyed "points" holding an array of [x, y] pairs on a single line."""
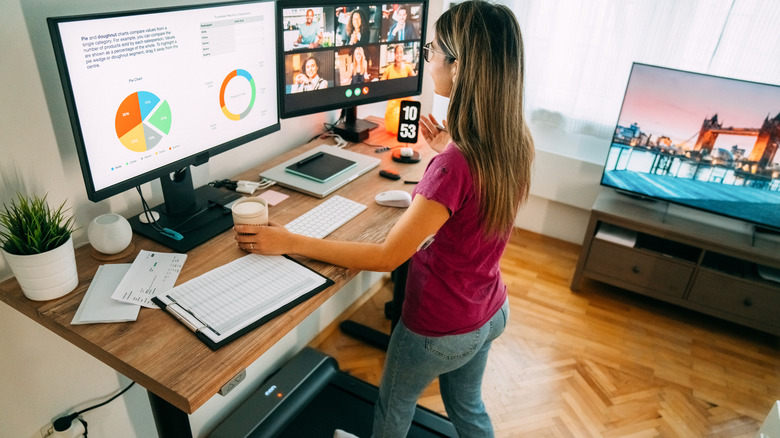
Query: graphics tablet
{"points": [[321, 166], [316, 188]]}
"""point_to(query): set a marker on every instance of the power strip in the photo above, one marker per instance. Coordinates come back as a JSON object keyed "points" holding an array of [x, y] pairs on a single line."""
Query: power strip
{"points": [[76, 430]]}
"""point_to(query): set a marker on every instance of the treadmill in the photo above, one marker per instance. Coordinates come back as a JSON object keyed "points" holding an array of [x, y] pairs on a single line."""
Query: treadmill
{"points": [[310, 397]]}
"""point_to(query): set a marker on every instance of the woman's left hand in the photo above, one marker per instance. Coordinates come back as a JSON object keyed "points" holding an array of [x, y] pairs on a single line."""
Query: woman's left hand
{"points": [[436, 135], [269, 239]]}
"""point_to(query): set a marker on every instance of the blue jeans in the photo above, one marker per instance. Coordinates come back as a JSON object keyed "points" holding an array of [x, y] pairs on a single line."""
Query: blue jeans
{"points": [[413, 361]]}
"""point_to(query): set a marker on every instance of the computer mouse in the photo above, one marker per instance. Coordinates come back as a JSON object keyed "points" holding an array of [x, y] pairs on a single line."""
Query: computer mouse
{"points": [[394, 198]]}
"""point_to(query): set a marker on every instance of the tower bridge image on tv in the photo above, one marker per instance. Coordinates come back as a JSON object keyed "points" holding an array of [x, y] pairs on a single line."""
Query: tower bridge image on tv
{"points": [[767, 138], [637, 150], [736, 182]]}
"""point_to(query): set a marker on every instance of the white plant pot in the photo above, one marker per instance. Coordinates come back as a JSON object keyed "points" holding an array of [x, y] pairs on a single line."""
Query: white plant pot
{"points": [[47, 275]]}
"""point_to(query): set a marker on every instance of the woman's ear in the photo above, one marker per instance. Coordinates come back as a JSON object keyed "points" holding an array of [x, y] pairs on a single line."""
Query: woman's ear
{"points": [[454, 70]]}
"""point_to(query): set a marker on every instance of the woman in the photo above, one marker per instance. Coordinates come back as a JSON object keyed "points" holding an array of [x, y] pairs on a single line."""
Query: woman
{"points": [[356, 72], [309, 80], [456, 228], [399, 68], [357, 28]]}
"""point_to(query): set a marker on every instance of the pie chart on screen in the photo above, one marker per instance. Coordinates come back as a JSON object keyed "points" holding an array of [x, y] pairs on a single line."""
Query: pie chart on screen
{"points": [[142, 121]]}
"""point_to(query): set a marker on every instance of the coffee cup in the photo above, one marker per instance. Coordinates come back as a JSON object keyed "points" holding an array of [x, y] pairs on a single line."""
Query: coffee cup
{"points": [[250, 211]]}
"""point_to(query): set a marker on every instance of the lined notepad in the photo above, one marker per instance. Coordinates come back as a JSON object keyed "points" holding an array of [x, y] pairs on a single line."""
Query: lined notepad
{"points": [[228, 301]]}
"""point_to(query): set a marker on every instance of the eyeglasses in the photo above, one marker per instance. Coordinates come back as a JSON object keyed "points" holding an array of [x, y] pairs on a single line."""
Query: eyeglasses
{"points": [[428, 53]]}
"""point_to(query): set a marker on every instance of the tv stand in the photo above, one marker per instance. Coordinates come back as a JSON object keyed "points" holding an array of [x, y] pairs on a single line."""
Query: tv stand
{"points": [[767, 231], [636, 246]]}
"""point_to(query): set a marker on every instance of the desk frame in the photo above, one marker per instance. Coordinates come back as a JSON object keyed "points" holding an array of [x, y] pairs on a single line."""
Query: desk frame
{"points": [[179, 371]]}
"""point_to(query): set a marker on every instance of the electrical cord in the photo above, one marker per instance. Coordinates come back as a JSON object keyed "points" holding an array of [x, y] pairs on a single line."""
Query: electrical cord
{"points": [[248, 187], [168, 231], [180, 225], [329, 126], [226, 183], [340, 142], [63, 423], [148, 212], [328, 129], [265, 183]]}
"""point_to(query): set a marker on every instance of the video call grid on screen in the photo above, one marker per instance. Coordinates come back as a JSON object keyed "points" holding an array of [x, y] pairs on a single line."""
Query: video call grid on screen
{"points": [[335, 53]]}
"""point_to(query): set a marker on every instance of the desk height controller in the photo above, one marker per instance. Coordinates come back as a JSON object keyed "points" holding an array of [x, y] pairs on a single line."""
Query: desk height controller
{"points": [[229, 386]]}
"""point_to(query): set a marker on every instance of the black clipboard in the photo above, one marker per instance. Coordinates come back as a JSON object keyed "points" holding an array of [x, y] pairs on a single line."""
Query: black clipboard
{"points": [[190, 317], [321, 166]]}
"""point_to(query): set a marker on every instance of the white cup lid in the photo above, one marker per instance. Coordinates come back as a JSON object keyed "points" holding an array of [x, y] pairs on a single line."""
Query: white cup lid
{"points": [[248, 208]]}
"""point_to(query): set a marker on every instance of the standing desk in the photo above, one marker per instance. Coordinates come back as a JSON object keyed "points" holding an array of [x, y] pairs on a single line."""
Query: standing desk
{"points": [[179, 372]]}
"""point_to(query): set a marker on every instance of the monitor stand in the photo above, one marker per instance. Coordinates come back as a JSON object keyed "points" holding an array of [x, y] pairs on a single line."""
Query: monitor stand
{"points": [[197, 215], [353, 129]]}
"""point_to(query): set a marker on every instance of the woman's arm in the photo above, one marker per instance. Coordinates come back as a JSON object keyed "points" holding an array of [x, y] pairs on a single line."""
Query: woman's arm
{"points": [[422, 219]]}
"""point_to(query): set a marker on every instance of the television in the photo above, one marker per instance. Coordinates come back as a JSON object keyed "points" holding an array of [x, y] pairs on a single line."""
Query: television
{"points": [[341, 54], [152, 92], [705, 142]]}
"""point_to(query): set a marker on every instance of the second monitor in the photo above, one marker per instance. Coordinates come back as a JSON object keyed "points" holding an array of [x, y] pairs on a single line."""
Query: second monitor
{"points": [[337, 55]]}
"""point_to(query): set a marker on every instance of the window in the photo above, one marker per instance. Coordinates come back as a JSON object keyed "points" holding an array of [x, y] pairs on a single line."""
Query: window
{"points": [[579, 53]]}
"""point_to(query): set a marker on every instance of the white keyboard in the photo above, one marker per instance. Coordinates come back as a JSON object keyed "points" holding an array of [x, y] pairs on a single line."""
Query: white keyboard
{"points": [[326, 217]]}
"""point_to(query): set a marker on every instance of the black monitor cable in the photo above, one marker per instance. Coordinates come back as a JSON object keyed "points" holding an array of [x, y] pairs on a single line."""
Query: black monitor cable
{"points": [[328, 130], [342, 118], [243, 186], [63, 423], [226, 183], [168, 231], [329, 126]]}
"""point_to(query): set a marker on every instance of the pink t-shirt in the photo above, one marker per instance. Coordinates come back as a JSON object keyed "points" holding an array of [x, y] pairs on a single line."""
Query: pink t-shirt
{"points": [[454, 285]]}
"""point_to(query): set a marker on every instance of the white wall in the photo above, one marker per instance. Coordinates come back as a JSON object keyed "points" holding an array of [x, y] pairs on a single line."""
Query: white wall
{"points": [[43, 376], [564, 183]]}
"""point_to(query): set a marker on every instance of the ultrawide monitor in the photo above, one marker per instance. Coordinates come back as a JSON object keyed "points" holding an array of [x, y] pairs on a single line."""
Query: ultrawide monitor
{"points": [[337, 55], [702, 141], [154, 91]]}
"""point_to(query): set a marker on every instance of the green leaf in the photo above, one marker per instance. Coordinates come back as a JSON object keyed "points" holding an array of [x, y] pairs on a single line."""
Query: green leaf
{"points": [[30, 226]]}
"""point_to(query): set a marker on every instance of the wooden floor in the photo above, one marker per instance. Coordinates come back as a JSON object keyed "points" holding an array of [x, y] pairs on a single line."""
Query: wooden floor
{"points": [[598, 363]]}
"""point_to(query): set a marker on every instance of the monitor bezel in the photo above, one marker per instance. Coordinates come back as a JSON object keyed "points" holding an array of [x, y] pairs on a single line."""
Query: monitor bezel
{"points": [[285, 113], [162, 171], [757, 224]]}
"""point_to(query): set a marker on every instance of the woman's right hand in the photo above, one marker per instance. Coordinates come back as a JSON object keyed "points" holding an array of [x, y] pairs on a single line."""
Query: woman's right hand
{"points": [[436, 135], [271, 239]]}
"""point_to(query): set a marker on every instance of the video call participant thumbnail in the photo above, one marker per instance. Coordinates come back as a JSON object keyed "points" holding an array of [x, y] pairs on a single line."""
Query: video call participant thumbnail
{"points": [[305, 31], [358, 65], [309, 71], [396, 65], [402, 25]]}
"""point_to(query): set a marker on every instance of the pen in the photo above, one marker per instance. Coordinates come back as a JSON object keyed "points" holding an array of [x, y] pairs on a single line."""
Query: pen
{"points": [[310, 158]]}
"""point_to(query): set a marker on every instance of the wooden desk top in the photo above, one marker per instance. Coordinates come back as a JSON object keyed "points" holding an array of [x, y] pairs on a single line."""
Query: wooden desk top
{"points": [[165, 357]]}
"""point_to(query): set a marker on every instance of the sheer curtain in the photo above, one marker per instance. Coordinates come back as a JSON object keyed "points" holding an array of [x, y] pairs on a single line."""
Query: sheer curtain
{"points": [[579, 52]]}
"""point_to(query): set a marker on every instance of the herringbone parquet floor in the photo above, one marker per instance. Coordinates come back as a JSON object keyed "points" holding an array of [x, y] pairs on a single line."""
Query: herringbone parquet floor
{"points": [[598, 363]]}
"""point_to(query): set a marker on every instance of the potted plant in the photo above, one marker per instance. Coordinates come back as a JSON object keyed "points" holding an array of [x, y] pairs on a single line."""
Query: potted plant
{"points": [[36, 242]]}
